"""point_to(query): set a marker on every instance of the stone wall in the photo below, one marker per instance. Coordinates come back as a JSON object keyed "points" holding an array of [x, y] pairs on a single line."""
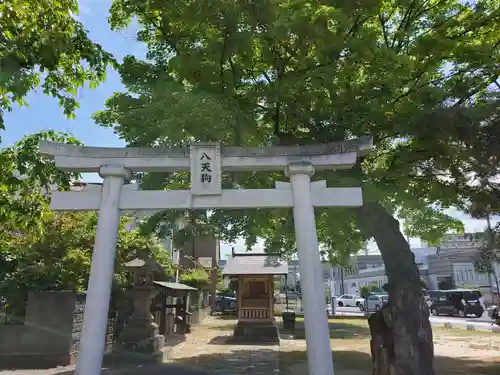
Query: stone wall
{"points": [[199, 306], [77, 325], [46, 336], [50, 336]]}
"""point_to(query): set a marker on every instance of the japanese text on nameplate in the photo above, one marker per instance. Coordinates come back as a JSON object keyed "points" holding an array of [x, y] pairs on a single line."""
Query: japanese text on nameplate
{"points": [[205, 168]]}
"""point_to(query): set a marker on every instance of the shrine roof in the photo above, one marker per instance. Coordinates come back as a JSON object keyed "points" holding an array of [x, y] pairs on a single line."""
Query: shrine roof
{"points": [[174, 286], [255, 265], [143, 263]]}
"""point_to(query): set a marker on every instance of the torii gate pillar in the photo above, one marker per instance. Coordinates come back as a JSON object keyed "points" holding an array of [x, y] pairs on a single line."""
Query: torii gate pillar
{"points": [[205, 162], [95, 316], [319, 351]]}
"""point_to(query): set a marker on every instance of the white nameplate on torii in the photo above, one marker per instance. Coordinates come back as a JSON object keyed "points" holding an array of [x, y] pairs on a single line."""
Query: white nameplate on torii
{"points": [[159, 200], [205, 167]]}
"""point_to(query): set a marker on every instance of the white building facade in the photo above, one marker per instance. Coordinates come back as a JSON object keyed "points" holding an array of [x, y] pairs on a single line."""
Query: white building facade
{"points": [[451, 264]]}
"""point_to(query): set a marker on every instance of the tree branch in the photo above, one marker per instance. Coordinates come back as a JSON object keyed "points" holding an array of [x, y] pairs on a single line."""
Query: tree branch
{"points": [[222, 60]]}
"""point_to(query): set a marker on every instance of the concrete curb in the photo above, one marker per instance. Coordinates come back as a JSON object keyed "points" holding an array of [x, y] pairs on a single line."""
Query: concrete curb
{"points": [[468, 326]]}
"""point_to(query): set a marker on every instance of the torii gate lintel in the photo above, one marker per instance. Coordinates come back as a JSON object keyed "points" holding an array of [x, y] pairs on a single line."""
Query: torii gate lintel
{"points": [[205, 162]]}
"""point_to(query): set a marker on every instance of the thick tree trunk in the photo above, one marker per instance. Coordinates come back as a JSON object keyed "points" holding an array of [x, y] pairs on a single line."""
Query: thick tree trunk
{"points": [[401, 333]]}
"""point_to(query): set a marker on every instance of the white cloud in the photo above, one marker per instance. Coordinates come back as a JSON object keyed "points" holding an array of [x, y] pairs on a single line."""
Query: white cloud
{"points": [[84, 7]]}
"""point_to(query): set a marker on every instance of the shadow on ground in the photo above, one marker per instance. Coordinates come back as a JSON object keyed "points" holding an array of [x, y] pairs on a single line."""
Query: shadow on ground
{"points": [[250, 362], [156, 369], [231, 340], [290, 363], [337, 330], [226, 316]]}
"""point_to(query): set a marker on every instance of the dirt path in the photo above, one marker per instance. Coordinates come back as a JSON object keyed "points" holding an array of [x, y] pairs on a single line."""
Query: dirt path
{"points": [[161, 369], [208, 351], [208, 348]]}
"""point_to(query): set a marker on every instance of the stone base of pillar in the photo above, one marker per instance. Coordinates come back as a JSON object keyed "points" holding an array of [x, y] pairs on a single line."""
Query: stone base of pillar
{"points": [[139, 342], [147, 350], [256, 332], [141, 335], [121, 356]]}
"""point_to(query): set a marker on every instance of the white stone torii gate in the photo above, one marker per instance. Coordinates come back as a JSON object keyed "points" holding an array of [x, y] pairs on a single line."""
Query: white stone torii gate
{"points": [[205, 162]]}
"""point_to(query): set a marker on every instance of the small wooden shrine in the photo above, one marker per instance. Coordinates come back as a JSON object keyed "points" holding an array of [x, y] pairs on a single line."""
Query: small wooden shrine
{"points": [[254, 274]]}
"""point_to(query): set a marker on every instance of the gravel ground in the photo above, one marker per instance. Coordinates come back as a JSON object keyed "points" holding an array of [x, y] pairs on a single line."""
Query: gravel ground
{"points": [[161, 369]]}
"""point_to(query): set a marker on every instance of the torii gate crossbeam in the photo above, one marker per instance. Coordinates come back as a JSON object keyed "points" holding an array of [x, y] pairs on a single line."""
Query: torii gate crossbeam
{"points": [[205, 162]]}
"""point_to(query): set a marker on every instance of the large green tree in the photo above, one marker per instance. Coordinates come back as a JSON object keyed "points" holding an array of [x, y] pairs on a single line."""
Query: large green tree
{"points": [[42, 43], [417, 75], [44, 250]]}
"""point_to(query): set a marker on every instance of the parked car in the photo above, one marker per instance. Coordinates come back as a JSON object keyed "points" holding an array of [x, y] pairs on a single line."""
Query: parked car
{"points": [[426, 297], [433, 296], [461, 302], [375, 302], [225, 304], [348, 300], [292, 296]]}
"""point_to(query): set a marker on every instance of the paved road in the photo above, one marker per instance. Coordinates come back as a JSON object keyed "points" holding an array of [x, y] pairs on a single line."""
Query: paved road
{"points": [[483, 320]]}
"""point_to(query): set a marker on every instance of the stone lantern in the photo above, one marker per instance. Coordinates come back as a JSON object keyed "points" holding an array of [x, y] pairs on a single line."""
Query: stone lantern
{"points": [[141, 333]]}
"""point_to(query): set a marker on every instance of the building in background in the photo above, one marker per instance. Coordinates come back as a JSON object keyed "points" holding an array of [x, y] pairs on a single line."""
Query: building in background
{"points": [[449, 265], [368, 270], [454, 261], [458, 241], [293, 277]]}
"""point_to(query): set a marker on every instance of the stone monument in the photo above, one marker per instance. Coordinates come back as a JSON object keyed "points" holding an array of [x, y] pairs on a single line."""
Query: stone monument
{"points": [[141, 334]]}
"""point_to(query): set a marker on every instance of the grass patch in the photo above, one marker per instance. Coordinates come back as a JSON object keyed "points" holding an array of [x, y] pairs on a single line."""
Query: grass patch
{"points": [[359, 327], [358, 361], [351, 344], [339, 329]]}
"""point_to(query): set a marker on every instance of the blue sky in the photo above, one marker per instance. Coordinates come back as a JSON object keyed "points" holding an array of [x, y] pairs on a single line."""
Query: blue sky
{"points": [[43, 112]]}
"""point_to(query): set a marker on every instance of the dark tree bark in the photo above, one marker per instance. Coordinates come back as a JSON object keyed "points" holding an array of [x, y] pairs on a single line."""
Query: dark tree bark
{"points": [[401, 332]]}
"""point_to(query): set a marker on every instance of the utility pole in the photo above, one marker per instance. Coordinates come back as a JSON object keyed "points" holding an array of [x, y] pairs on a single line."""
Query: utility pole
{"points": [[342, 291], [332, 290], [491, 239]]}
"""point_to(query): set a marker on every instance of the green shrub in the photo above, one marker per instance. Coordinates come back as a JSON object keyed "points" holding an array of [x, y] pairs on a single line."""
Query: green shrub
{"points": [[198, 278], [364, 291]]}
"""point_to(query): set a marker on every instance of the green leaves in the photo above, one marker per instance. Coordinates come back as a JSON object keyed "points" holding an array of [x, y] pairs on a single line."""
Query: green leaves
{"points": [[60, 257], [428, 224], [42, 43], [417, 75], [196, 277], [43, 250], [26, 180]]}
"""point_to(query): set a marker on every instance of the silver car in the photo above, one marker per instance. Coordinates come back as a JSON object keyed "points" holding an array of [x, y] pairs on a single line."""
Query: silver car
{"points": [[375, 302]]}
